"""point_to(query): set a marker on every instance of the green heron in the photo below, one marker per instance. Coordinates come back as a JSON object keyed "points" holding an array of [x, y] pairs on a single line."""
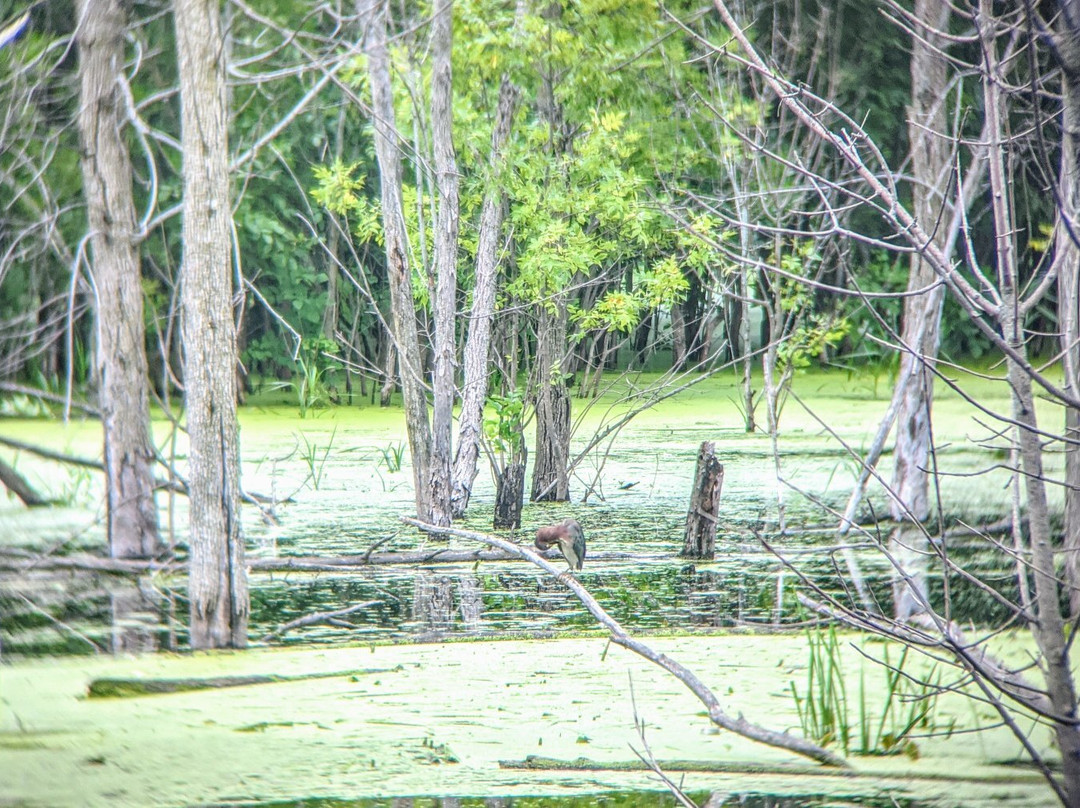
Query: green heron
{"points": [[570, 538]]}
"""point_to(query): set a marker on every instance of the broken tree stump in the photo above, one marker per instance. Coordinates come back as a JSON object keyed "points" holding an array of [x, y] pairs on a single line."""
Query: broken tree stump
{"points": [[509, 495], [700, 538]]}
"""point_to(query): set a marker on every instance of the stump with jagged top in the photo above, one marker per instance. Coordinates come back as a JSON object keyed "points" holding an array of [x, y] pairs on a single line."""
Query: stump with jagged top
{"points": [[699, 540]]}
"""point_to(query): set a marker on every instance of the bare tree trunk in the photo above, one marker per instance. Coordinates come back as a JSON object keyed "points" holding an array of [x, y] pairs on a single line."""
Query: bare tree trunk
{"points": [[446, 247], [407, 342], [477, 344], [1067, 267], [551, 481], [1049, 627], [217, 589], [774, 381], [746, 348], [678, 337], [333, 280], [930, 164], [132, 516]]}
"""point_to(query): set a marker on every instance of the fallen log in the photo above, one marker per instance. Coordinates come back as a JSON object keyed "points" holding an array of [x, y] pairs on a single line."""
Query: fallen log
{"points": [[126, 688], [583, 764], [867, 771], [17, 560]]}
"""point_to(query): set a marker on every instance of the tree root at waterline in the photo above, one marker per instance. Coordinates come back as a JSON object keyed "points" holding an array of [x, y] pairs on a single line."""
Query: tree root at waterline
{"points": [[619, 636]]}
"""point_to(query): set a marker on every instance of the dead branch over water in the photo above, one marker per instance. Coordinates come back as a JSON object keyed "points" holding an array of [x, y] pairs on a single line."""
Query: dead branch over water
{"points": [[619, 636]]}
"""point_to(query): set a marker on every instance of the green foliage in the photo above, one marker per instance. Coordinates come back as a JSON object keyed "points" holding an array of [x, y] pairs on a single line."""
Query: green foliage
{"points": [[505, 427], [339, 191], [828, 717], [816, 334]]}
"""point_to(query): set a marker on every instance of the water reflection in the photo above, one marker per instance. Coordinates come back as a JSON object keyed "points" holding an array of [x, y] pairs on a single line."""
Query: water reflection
{"points": [[442, 604], [73, 613], [135, 629], [89, 614]]}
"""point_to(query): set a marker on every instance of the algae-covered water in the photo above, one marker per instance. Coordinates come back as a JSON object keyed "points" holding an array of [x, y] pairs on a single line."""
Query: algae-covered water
{"points": [[514, 675]]}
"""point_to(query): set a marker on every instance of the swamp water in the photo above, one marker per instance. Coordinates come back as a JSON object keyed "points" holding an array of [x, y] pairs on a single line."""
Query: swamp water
{"points": [[341, 473]]}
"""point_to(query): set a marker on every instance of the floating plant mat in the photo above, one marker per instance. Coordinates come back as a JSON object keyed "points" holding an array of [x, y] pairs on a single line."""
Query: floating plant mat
{"points": [[348, 723]]}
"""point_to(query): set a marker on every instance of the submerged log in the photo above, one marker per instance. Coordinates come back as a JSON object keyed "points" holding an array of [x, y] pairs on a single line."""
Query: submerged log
{"points": [[584, 764], [125, 688], [699, 540]]}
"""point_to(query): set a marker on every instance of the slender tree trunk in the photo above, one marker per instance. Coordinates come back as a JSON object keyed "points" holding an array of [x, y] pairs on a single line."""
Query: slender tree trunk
{"points": [[930, 162], [1067, 268], [333, 281], [678, 337], [1049, 625], [132, 516], [746, 349], [744, 346], [446, 244], [407, 342], [476, 371], [217, 589]]}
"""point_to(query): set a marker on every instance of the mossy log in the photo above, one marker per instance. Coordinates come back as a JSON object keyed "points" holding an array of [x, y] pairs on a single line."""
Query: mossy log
{"points": [[122, 688], [541, 763]]}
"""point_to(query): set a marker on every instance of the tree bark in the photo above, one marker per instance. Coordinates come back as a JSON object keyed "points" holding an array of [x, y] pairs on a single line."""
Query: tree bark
{"points": [[446, 246], [509, 496], [218, 589], [551, 480], [131, 512], [1067, 267], [388, 153], [920, 328], [1049, 626], [699, 540], [678, 337], [477, 344]]}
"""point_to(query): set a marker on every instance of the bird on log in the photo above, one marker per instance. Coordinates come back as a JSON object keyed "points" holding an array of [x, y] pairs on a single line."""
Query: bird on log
{"points": [[570, 539]]}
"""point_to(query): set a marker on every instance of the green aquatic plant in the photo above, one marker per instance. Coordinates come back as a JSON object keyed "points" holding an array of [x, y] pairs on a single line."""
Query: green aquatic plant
{"points": [[393, 455], [315, 458], [827, 715]]}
